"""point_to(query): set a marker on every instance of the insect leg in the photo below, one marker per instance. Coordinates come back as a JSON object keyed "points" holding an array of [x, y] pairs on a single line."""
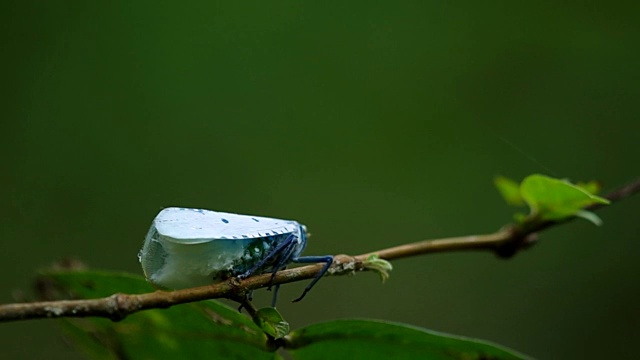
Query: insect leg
{"points": [[249, 298], [287, 242], [275, 295], [283, 261], [328, 260]]}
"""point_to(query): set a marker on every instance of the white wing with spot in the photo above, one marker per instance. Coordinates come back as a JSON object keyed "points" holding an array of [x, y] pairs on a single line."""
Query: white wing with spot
{"points": [[197, 226]]}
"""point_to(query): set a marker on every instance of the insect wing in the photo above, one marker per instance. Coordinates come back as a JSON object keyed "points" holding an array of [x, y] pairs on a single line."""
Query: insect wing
{"points": [[198, 226]]}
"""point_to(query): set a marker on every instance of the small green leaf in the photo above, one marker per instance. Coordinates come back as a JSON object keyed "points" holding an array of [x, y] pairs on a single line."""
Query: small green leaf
{"points": [[589, 216], [520, 217], [371, 340], [592, 187], [380, 266], [554, 199], [509, 189], [271, 322]]}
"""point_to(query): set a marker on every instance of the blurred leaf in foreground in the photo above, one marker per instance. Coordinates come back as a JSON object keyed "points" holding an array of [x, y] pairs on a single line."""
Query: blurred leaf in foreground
{"points": [[210, 329], [368, 339], [191, 331]]}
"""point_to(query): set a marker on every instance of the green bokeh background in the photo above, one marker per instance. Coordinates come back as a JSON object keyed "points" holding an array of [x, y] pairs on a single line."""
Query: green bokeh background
{"points": [[374, 123]]}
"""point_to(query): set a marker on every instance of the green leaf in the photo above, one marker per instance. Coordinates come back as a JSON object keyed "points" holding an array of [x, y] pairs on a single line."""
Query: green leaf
{"points": [[554, 199], [592, 187], [366, 339], [380, 266], [520, 217], [271, 322], [510, 190], [192, 331], [589, 216]]}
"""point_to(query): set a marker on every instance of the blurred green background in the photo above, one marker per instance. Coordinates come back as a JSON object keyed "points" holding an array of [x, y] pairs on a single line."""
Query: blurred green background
{"points": [[374, 123]]}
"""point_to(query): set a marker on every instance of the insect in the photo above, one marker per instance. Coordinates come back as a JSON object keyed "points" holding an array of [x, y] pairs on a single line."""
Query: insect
{"points": [[194, 247]]}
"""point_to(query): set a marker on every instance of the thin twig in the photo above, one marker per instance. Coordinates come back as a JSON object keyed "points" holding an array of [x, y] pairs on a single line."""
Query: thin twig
{"points": [[505, 243]]}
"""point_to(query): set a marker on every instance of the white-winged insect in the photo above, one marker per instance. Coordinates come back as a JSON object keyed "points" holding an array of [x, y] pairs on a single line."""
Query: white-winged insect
{"points": [[194, 247]]}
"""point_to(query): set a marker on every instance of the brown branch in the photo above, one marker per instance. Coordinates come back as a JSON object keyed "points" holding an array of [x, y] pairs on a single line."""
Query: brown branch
{"points": [[505, 243]]}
